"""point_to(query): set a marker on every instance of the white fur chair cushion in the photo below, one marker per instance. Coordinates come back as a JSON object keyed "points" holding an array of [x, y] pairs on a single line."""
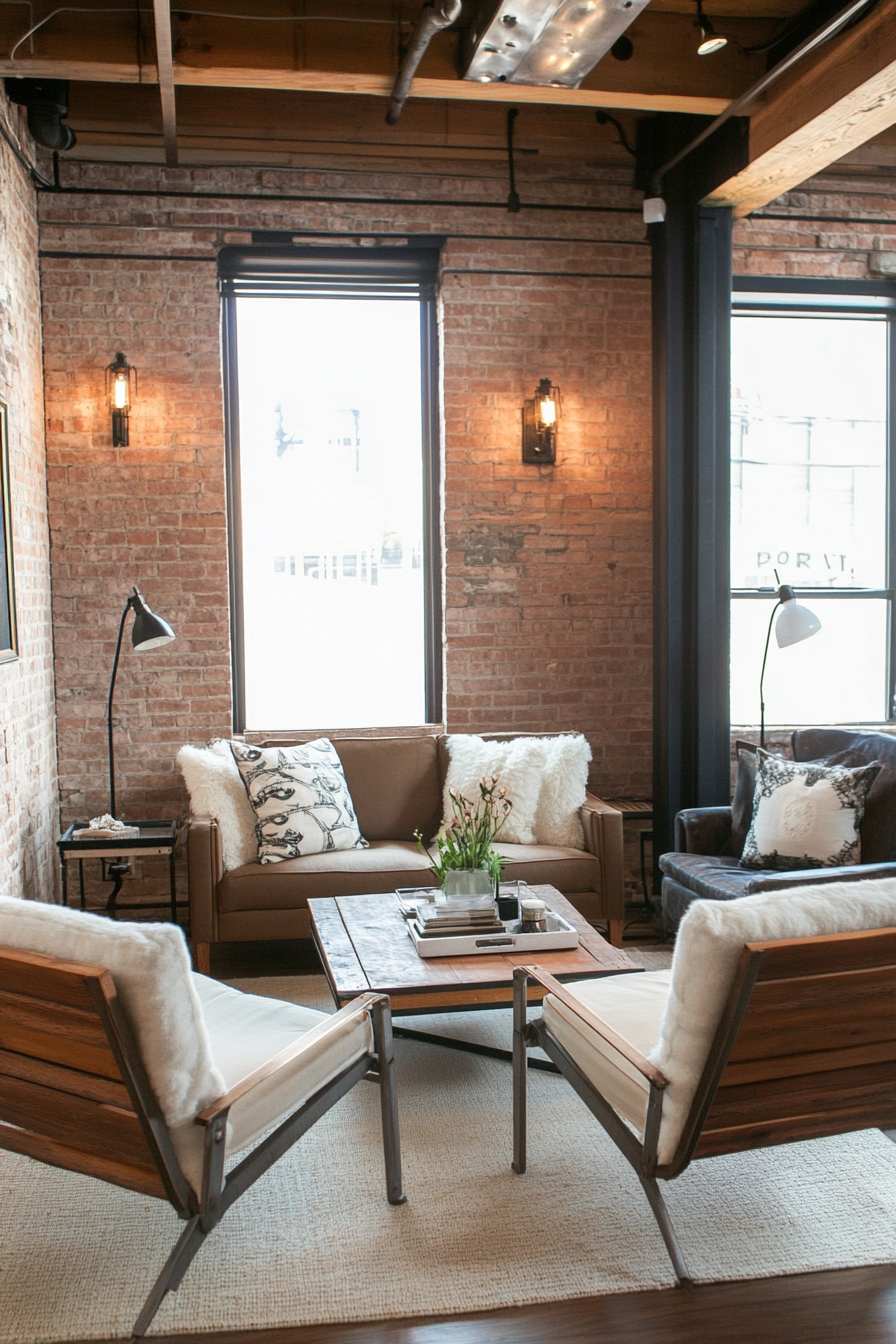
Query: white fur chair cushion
{"points": [[683, 1012], [545, 778], [151, 969], [216, 790]]}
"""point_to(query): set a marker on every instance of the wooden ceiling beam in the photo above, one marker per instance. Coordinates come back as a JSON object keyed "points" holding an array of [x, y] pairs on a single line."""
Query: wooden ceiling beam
{"points": [[825, 108], [165, 76], [378, 86]]}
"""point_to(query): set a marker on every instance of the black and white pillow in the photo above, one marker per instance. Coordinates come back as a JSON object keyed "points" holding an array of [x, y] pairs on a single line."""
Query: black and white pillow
{"points": [[806, 815], [300, 798]]}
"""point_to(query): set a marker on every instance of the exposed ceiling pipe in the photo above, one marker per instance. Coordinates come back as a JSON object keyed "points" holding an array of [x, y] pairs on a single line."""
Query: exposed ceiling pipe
{"points": [[434, 18]]}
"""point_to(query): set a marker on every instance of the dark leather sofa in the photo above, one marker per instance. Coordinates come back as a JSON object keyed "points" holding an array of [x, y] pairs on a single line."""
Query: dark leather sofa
{"points": [[709, 840]]}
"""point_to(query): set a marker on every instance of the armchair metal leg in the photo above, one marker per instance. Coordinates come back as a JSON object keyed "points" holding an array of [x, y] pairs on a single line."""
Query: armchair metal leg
{"points": [[176, 1266], [520, 1070], [382, 1040], [661, 1214]]}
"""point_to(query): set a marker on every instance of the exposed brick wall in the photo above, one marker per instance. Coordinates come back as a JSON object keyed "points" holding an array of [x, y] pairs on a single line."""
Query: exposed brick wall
{"points": [[548, 574], [28, 802]]}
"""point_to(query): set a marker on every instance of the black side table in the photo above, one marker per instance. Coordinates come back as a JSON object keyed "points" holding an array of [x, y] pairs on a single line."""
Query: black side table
{"points": [[154, 838]]}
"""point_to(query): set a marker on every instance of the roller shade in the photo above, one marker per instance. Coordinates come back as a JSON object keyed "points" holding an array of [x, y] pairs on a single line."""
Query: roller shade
{"points": [[371, 269]]}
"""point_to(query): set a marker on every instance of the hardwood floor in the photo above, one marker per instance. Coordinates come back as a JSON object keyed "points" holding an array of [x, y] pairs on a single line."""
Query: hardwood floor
{"points": [[857, 1306], [848, 1306]]}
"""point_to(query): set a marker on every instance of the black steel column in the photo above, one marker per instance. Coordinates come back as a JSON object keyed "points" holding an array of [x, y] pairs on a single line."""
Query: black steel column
{"points": [[691, 340]]}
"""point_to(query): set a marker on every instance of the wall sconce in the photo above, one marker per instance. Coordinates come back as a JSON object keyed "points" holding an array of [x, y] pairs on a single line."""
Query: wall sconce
{"points": [[540, 416], [120, 395]]}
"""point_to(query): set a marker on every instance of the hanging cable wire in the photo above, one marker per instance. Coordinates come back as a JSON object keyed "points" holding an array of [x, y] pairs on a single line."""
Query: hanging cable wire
{"points": [[197, 13]]}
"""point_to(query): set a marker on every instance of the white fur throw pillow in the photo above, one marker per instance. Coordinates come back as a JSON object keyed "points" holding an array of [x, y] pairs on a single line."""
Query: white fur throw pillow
{"points": [[151, 969], [564, 783], [518, 765], [707, 950], [546, 779], [216, 790]]}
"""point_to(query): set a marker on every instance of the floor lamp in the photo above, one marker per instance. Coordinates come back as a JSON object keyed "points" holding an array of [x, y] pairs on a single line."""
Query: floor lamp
{"points": [[149, 632], [794, 624]]}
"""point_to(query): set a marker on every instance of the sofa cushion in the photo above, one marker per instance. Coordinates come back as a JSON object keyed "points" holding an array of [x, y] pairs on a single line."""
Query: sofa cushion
{"points": [[394, 783], [285, 886], [569, 870], [715, 877], [216, 789], [839, 746]]}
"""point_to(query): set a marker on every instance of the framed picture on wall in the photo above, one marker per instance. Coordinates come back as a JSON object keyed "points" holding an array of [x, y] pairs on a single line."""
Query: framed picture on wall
{"points": [[9, 646]]}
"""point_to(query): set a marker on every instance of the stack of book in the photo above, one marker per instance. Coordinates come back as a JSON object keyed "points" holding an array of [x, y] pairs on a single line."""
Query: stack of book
{"points": [[449, 921]]}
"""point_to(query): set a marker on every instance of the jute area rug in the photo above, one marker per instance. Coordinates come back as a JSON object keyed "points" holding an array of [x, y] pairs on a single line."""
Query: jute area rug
{"points": [[315, 1240]]}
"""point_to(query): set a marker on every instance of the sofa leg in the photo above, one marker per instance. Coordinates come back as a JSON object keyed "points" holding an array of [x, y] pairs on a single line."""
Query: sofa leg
{"points": [[202, 958], [616, 928]]}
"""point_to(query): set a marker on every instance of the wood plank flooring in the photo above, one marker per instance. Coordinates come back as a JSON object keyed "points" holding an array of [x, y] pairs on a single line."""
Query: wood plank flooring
{"points": [[849, 1306]]}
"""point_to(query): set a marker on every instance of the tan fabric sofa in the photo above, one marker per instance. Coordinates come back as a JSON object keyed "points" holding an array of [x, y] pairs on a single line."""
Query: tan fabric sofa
{"points": [[396, 784]]}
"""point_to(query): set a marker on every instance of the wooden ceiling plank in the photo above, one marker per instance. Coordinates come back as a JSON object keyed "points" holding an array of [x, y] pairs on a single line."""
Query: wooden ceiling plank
{"points": [[379, 86], [826, 109], [165, 77]]}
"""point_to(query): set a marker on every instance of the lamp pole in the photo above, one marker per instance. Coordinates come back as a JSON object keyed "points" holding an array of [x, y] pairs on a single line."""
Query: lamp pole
{"points": [[149, 632]]}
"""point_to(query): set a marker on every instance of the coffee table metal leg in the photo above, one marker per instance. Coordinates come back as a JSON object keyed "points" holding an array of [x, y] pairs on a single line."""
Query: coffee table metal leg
{"points": [[471, 1047]]}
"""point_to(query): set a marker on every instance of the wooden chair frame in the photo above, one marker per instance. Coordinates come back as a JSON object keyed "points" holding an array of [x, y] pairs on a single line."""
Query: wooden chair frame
{"points": [[74, 1093], [805, 1047]]}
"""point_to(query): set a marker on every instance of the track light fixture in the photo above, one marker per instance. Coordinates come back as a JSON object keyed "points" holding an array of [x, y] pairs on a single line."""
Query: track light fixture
{"points": [[710, 40]]}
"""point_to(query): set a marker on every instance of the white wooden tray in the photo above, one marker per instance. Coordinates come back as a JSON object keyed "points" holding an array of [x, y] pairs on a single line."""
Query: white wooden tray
{"points": [[560, 934]]}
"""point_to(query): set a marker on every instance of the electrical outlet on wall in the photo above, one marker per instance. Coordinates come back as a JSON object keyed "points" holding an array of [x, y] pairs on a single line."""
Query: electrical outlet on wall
{"points": [[135, 870]]}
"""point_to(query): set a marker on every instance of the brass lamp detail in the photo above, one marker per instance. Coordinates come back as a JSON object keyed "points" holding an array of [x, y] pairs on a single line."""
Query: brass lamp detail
{"points": [[120, 394], [540, 418]]}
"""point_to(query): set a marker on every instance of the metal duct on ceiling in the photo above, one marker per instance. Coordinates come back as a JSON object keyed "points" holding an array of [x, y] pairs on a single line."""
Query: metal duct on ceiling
{"points": [[546, 42]]}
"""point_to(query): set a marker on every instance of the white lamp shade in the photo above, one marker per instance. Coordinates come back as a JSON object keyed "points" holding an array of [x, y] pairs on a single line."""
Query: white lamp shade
{"points": [[795, 623]]}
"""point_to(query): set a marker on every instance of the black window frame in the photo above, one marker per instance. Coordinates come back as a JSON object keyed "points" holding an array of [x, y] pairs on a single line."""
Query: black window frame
{"points": [[368, 267], [843, 296]]}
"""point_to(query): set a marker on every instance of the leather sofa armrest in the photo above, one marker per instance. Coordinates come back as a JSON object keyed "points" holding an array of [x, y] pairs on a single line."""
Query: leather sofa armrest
{"points": [[813, 877], [206, 868], [702, 830], [602, 824]]}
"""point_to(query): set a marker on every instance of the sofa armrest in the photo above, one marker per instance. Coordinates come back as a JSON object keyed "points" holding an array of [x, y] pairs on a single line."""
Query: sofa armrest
{"points": [[813, 877], [702, 830], [205, 867], [602, 825]]}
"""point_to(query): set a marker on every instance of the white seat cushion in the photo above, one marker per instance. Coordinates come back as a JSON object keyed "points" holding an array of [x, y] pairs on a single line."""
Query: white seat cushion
{"points": [[246, 1030], [672, 1016], [633, 1006]]}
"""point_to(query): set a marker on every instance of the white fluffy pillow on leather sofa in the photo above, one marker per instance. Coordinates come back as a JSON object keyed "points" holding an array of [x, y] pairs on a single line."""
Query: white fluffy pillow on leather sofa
{"points": [[546, 779], [216, 790]]}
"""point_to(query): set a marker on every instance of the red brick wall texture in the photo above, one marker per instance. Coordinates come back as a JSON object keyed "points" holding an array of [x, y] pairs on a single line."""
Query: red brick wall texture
{"points": [[547, 588], [27, 734]]}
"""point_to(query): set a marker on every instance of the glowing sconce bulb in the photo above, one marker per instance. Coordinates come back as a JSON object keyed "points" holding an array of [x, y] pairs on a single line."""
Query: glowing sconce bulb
{"points": [[540, 418], [119, 394]]}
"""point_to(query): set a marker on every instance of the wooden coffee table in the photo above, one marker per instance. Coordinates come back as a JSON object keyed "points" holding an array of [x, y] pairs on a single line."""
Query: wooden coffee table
{"points": [[364, 946]]}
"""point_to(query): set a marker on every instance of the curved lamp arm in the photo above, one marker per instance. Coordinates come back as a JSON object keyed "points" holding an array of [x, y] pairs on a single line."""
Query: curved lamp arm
{"points": [[150, 632]]}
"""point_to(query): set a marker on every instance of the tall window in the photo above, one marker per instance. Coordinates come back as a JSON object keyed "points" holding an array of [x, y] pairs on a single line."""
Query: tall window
{"points": [[811, 453], [333, 512]]}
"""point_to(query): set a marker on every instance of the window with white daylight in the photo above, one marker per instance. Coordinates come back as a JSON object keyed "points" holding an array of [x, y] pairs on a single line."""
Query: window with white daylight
{"points": [[332, 486], [811, 502]]}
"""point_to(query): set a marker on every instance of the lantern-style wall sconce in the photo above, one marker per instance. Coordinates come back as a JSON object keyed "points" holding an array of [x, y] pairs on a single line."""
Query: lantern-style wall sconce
{"points": [[120, 393], [540, 417]]}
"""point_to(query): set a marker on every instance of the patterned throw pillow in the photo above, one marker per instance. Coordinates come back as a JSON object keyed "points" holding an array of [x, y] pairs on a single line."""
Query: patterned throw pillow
{"points": [[300, 798], [806, 815]]}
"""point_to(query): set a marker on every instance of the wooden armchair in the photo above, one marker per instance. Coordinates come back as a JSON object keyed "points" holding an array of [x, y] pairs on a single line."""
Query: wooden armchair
{"points": [[798, 1039], [79, 1088]]}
